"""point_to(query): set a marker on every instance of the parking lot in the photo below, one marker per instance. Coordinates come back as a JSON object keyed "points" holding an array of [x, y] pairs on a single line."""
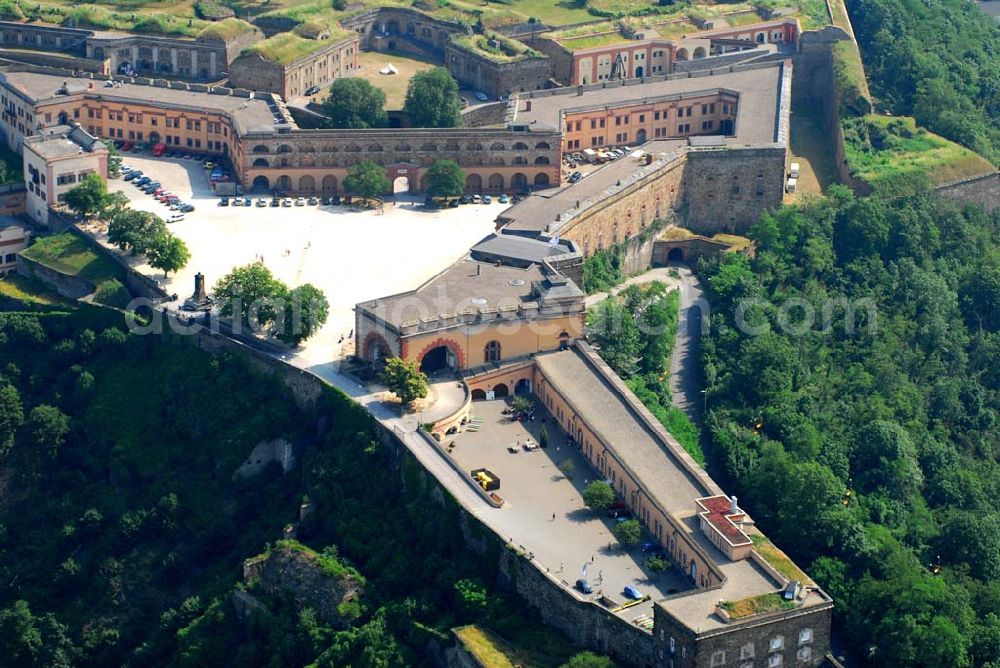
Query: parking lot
{"points": [[544, 509], [352, 255]]}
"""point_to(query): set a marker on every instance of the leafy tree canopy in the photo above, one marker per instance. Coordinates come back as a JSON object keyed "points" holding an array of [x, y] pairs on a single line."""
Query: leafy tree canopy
{"points": [[432, 99], [355, 103]]}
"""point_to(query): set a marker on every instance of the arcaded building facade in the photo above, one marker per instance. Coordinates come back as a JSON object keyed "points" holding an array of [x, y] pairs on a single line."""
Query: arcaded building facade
{"points": [[494, 160]]}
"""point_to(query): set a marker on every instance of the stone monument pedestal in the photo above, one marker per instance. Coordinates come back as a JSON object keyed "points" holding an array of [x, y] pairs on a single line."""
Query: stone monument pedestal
{"points": [[199, 301]]}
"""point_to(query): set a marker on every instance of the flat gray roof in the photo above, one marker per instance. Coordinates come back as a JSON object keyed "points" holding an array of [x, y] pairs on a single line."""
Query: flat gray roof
{"points": [[61, 141], [537, 214], [668, 482], [759, 91], [468, 284], [519, 248], [249, 114]]}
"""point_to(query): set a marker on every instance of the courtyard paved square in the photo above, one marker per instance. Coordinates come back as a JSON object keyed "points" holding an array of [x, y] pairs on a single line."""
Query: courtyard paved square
{"points": [[544, 509], [351, 255]]}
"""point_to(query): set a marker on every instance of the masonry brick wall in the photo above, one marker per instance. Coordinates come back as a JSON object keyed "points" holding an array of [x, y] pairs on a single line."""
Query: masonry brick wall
{"points": [[728, 190], [748, 642], [982, 190], [627, 213], [337, 59], [495, 78]]}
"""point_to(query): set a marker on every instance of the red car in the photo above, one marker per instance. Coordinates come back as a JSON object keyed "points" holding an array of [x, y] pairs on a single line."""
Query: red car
{"points": [[127, 146]]}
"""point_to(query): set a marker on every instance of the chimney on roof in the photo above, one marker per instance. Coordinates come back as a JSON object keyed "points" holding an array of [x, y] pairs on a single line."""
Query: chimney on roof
{"points": [[732, 505]]}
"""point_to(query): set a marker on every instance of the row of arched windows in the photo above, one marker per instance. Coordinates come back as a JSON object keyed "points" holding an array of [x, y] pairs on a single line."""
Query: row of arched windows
{"points": [[263, 149]]}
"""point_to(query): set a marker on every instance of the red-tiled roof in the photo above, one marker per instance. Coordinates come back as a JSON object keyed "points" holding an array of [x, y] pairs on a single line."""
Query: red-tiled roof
{"points": [[719, 513]]}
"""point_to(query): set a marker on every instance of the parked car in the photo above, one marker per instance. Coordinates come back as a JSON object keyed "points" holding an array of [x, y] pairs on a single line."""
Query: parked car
{"points": [[575, 176], [300, 201], [503, 199], [325, 201], [477, 199], [133, 175], [127, 146], [223, 201], [286, 202], [465, 199], [312, 90], [481, 96], [584, 586], [261, 201], [313, 201], [336, 200], [187, 208], [142, 180], [237, 201], [209, 164], [631, 592], [247, 201], [487, 199], [176, 218], [275, 201]]}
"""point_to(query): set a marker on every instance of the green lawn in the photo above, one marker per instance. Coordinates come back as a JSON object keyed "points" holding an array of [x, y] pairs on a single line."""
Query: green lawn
{"points": [[891, 153], [69, 254], [755, 605], [29, 290]]}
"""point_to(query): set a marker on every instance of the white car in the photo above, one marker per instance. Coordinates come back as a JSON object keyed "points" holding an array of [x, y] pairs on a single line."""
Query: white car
{"points": [[286, 202], [300, 201]]}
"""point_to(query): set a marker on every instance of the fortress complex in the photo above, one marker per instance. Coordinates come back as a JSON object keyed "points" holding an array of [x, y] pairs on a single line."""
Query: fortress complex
{"points": [[714, 155], [717, 144]]}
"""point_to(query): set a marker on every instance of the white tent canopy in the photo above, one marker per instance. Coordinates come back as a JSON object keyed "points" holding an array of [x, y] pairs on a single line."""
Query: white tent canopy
{"points": [[389, 69]]}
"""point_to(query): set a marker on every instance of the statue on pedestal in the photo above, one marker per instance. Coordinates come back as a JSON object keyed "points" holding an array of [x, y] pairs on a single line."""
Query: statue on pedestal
{"points": [[199, 301]]}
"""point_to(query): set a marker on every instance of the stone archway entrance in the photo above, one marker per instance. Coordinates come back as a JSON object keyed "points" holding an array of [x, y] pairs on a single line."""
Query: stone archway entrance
{"points": [[640, 136], [401, 185], [675, 255], [500, 390], [261, 183], [522, 387], [438, 359]]}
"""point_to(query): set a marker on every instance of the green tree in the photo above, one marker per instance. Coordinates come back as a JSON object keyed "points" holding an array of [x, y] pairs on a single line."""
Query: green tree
{"points": [[405, 380], [657, 564], [628, 533], [27, 640], [367, 179], [46, 430], [885, 459], [116, 203], [168, 252], [11, 416], [114, 158], [354, 103], [612, 328], [89, 197], [133, 231], [306, 310], [432, 100], [588, 660], [445, 179], [472, 597], [972, 538], [598, 495], [250, 294]]}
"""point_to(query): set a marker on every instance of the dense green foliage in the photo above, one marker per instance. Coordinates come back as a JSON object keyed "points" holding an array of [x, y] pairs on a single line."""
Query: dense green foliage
{"points": [[598, 495], [368, 179], [602, 271], [432, 99], [938, 61], [869, 452], [634, 332], [89, 197], [404, 379], [252, 295], [355, 103], [123, 530], [445, 179]]}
